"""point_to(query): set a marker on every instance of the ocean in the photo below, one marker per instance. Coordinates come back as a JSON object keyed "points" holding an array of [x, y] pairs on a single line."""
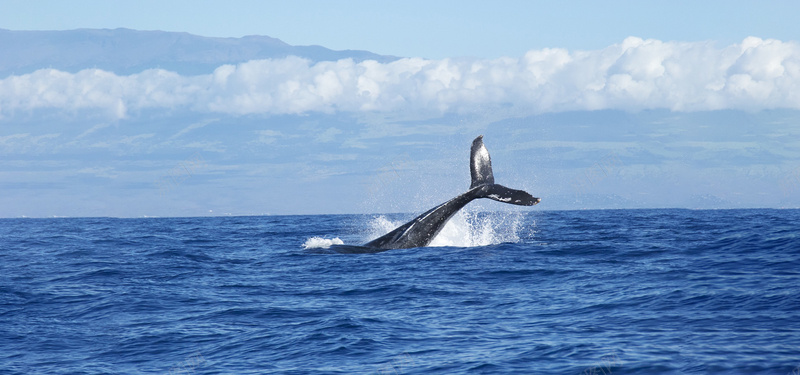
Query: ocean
{"points": [[526, 292]]}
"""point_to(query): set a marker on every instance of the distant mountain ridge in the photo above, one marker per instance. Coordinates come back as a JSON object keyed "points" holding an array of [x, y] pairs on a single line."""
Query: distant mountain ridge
{"points": [[126, 51]]}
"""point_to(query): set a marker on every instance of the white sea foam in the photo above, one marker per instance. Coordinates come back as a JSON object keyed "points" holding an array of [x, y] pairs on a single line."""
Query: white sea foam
{"points": [[321, 243], [465, 229], [469, 229], [381, 225]]}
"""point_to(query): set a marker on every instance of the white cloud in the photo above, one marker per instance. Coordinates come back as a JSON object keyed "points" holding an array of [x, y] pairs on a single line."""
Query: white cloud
{"points": [[92, 130], [632, 75], [129, 141], [191, 127], [26, 142]]}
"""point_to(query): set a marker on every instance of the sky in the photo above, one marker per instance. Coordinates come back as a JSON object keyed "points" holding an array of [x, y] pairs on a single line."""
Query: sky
{"points": [[429, 29], [624, 105]]}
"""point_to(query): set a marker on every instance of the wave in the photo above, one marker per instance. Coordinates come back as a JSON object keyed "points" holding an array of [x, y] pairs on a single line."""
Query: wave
{"points": [[321, 243]]}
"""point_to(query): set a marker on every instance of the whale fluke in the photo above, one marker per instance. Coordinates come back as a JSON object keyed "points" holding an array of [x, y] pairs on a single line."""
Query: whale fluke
{"points": [[421, 231]]}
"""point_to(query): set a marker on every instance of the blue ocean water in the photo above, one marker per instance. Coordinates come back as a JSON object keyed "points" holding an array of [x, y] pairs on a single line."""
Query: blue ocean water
{"points": [[539, 292]]}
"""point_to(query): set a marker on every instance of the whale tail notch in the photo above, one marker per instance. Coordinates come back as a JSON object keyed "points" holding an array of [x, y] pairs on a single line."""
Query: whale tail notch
{"points": [[480, 167]]}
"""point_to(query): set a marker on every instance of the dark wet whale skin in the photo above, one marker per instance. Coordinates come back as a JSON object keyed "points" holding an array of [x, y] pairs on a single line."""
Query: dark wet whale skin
{"points": [[421, 230]]}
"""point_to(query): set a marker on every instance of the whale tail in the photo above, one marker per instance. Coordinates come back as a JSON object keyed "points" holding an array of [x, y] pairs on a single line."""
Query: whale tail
{"points": [[483, 179], [422, 229]]}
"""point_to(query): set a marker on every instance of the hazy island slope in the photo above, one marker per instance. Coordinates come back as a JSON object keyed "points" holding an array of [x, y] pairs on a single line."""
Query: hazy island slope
{"points": [[125, 51]]}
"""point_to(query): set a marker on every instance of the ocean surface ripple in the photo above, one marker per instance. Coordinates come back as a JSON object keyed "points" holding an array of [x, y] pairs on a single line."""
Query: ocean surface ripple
{"points": [[544, 292]]}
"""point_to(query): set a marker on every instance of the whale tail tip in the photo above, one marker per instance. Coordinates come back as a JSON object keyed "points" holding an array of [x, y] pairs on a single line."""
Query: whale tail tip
{"points": [[480, 164], [503, 194], [480, 167]]}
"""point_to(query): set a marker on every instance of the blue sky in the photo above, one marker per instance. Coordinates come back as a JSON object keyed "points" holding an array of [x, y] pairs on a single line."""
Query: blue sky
{"points": [[628, 104], [430, 29]]}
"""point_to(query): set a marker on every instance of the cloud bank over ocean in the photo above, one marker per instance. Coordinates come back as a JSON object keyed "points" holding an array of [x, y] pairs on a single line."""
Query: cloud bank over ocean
{"points": [[642, 123], [636, 74]]}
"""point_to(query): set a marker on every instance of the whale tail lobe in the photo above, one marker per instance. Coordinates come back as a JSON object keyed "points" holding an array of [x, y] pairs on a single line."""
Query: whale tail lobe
{"points": [[480, 164], [483, 179]]}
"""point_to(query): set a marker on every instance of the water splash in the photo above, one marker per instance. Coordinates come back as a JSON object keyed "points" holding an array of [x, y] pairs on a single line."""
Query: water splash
{"points": [[465, 228], [470, 229], [321, 243]]}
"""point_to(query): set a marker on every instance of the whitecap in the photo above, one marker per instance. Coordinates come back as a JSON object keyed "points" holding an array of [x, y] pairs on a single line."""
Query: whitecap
{"points": [[321, 243]]}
